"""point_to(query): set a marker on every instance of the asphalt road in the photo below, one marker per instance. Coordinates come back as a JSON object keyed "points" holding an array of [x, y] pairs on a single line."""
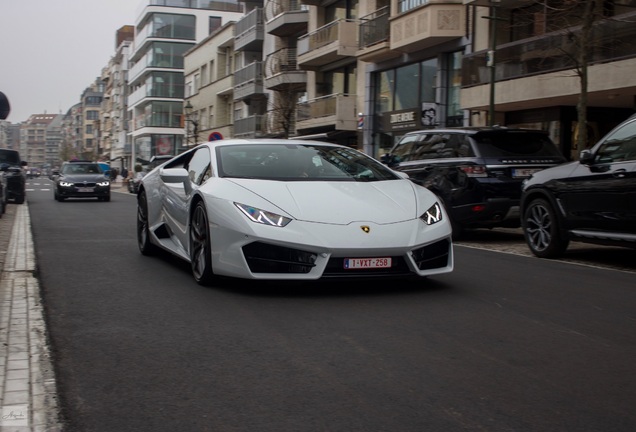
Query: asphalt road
{"points": [[506, 342]]}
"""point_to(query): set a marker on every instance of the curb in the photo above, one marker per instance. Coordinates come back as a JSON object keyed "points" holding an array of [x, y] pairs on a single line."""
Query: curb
{"points": [[28, 391]]}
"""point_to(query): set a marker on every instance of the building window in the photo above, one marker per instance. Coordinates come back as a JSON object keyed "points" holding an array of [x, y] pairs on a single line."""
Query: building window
{"points": [[215, 23], [92, 115], [454, 113], [407, 5]]}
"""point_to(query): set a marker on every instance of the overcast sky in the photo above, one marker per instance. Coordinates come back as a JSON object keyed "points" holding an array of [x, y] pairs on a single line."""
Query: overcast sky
{"points": [[51, 50]]}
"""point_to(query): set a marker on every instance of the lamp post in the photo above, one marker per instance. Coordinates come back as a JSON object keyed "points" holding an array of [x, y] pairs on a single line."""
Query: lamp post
{"points": [[191, 117], [491, 57]]}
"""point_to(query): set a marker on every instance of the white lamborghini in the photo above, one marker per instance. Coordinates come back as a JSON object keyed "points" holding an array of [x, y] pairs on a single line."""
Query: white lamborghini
{"points": [[283, 209]]}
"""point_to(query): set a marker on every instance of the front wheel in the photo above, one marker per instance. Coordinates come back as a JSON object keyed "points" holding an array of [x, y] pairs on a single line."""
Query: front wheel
{"points": [[200, 248], [541, 230], [143, 229]]}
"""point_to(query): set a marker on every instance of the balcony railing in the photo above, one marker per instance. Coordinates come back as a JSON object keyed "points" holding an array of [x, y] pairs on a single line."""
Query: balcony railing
{"points": [[374, 28], [282, 72], [286, 17], [329, 43], [249, 30], [283, 60], [612, 40], [199, 4], [335, 109], [250, 73], [276, 8], [250, 127]]}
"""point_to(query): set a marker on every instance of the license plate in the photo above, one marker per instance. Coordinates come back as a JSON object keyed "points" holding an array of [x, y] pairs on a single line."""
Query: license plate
{"points": [[366, 263], [524, 172], [85, 189]]}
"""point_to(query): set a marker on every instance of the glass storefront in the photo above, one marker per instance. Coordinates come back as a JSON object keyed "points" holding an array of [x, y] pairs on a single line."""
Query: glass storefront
{"points": [[416, 96]]}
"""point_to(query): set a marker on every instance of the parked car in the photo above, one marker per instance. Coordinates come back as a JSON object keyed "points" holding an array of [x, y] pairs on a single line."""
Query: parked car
{"points": [[291, 210], [592, 200], [13, 168], [81, 179], [476, 171], [3, 194]]}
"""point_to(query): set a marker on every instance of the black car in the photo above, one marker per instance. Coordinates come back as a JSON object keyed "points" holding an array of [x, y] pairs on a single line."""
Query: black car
{"points": [[592, 200], [82, 179], [12, 167], [3, 194], [476, 171]]}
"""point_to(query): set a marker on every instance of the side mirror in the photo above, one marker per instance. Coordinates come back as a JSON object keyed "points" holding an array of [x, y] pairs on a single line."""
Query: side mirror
{"points": [[24, 163], [586, 156], [176, 175], [390, 160]]}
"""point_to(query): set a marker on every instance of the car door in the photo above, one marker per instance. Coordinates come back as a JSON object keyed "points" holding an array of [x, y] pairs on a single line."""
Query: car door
{"points": [[601, 192], [177, 196]]}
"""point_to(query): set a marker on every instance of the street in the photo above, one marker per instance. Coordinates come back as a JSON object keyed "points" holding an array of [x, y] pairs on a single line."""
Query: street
{"points": [[507, 342]]}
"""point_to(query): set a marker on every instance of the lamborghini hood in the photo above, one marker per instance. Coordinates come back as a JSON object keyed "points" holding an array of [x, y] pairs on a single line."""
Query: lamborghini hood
{"points": [[340, 202]]}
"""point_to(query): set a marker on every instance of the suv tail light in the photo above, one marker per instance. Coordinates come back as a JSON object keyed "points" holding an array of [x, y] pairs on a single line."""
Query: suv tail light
{"points": [[474, 170]]}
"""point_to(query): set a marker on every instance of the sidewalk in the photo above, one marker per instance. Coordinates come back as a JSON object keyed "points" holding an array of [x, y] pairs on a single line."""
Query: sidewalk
{"points": [[28, 393], [28, 399]]}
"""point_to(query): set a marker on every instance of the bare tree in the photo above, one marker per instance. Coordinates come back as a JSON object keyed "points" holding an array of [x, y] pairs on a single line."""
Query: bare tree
{"points": [[289, 83], [579, 21]]}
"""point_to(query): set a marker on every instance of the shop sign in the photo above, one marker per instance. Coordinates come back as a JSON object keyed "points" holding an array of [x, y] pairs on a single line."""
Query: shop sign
{"points": [[401, 120]]}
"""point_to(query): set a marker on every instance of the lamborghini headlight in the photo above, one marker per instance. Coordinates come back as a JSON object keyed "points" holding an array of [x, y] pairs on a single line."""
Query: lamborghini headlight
{"points": [[432, 215], [262, 216]]}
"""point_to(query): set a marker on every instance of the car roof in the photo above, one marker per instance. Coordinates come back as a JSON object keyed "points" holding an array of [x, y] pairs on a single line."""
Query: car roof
{"points": [[243, 141], [472, 130]]}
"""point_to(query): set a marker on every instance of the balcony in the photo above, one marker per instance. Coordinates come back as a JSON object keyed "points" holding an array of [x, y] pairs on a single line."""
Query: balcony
{"points": [[428, 25], [337, 110], [373, 37], [332, 42], [251, 127], [286, 18], [282, 73], [552, 52], [249, 32], [248, 82]]}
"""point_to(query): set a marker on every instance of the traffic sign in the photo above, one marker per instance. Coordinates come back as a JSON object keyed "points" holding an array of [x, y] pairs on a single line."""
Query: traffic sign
{"points": [[215, 136]]}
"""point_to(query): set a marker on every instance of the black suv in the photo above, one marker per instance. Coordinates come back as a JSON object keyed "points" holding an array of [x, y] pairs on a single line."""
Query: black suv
{"points": [[592, 200], [12, 167], [476, 171]]}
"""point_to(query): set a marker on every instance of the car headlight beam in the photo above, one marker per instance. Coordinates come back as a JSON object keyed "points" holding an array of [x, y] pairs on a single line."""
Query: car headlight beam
{"points": [[433, 214], [66, 184], [263, 217]]}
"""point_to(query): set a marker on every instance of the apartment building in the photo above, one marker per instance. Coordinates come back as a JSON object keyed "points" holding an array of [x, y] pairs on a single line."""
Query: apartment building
{"points": [[115, 143], [209, 87], [165, 31], [33, 139]]}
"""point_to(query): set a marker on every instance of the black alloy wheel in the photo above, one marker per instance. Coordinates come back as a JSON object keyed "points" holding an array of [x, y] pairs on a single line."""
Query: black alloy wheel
{"points": [[143, 229], [200, 249], [541, 230]]}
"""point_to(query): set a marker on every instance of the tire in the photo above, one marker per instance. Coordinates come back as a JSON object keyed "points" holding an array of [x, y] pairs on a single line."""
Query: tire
{"points": [[541, 230], [458, 230], [19, 199], [143, 230], [200, 248]]}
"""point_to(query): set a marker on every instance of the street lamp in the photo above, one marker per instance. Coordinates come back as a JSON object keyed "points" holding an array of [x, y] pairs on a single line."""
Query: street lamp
{"points": [[191, 117], [490, 59]]}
